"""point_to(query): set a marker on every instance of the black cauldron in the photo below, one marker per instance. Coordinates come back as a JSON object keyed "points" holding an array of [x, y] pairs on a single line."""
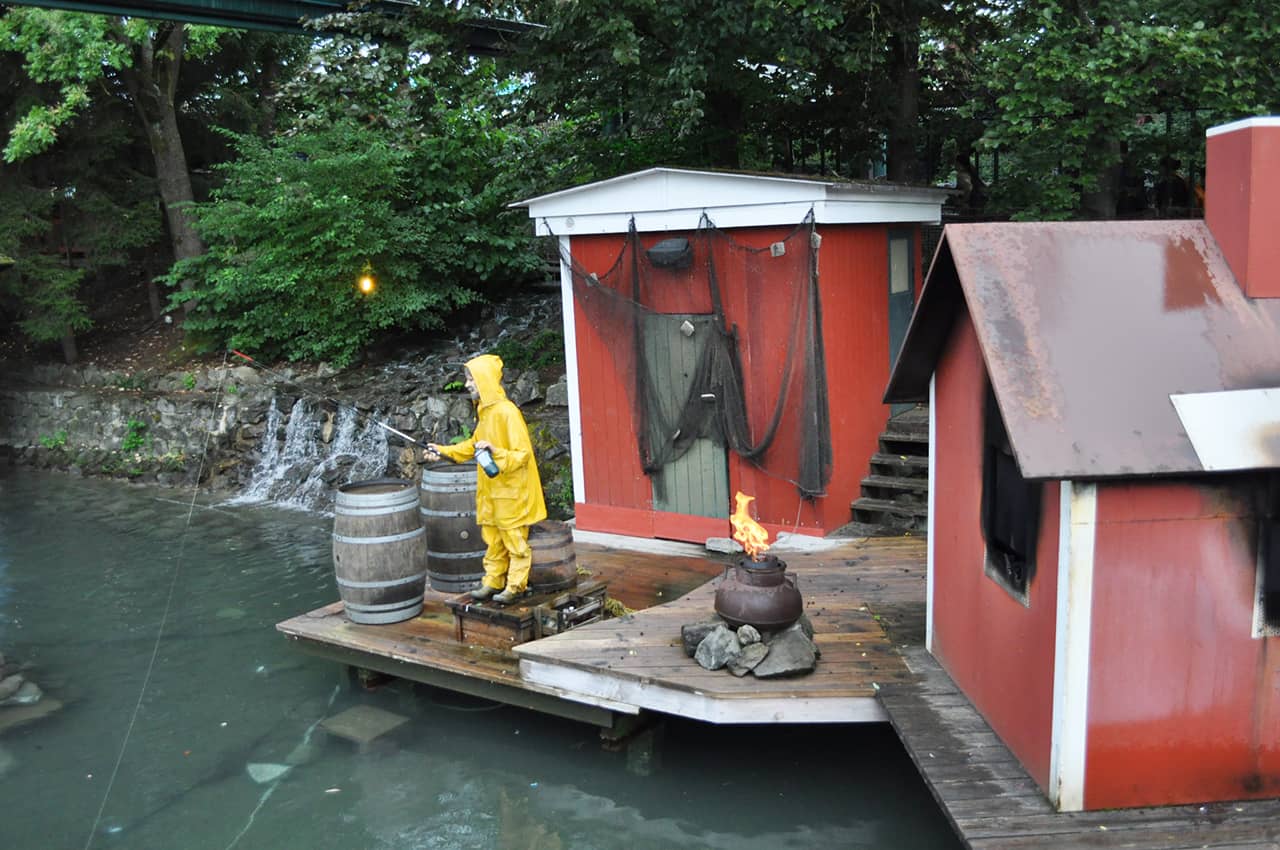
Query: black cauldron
{"points": [[760, 593]]}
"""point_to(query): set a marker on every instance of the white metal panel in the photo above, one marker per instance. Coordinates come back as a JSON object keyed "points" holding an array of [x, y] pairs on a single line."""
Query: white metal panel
{"points": [[933, 512], [1077, 531], [571, 373], [1232, 429]]}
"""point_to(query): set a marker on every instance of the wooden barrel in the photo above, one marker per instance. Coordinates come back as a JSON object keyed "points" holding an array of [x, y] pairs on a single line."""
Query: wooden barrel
{"points": [[379, 550], [555, 567], [455, 549]]}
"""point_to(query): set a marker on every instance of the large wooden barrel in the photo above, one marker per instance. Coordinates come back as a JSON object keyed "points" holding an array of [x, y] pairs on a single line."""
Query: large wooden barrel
{"points": [[555, 566], [379, 550], [455, 549]]}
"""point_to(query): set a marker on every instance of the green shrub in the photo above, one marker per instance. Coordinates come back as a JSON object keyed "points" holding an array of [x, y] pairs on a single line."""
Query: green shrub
{"points": [[544, 350], [135, 436], [297, 218], [57, 441]]}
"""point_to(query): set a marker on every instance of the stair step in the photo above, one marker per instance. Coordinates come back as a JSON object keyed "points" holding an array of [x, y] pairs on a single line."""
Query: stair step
{"points": [[895, 482], [915, 462], [897, 436], [885, 506]]}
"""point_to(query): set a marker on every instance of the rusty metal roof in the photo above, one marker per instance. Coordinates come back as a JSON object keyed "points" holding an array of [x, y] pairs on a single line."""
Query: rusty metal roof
{"points": [[1087, 328]]}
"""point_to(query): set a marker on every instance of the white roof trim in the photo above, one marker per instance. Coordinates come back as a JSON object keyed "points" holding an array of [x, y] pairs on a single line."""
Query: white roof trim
{"points": [[675, 199], [1244, 124]]}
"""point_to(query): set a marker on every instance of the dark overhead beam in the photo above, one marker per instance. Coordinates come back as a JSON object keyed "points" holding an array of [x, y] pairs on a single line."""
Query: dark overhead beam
{"points": [[484, 37]]}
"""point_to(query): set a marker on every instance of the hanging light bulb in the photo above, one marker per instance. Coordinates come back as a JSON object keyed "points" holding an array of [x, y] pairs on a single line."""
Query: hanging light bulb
{"points": [[366, 283]]}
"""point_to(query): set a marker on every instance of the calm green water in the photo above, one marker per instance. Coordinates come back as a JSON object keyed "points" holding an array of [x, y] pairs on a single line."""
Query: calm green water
{"points": [[86, 573]]}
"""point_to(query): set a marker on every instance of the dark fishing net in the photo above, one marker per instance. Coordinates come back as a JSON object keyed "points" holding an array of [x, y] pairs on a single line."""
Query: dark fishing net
{"points": [[776, 415]]}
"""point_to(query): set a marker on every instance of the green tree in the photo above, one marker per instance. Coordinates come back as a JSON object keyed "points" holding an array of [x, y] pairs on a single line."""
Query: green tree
{"points": [[1068, 84], [139, 61], [392, 155]]}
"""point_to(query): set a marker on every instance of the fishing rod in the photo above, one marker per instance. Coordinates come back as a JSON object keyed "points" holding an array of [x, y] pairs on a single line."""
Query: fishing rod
{"points": [[328, 400]]}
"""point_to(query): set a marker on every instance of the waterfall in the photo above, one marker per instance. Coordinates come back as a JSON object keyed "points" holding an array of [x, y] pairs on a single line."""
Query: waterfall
{"points": [[304, 470]]}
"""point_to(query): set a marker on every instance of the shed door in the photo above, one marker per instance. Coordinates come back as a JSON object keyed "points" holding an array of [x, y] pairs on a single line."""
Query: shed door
{"points": [[696, 484], [901, 296]]}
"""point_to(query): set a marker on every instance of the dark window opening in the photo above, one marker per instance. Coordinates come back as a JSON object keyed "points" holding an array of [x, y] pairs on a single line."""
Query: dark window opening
{"points": [[1010, 507], [1269, 554]]}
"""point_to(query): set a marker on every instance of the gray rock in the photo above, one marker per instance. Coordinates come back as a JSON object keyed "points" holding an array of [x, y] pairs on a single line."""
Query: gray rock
{"points": [[748, 659], [724, 545], [10, 685], [748, 634], [557, 394], [27, 694], [718, 649], [525, 389], [694, 633], [791, 653]]}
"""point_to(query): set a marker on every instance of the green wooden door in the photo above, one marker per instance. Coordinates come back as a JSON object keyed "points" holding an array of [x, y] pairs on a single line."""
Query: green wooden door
{"points": [[698, 482]]}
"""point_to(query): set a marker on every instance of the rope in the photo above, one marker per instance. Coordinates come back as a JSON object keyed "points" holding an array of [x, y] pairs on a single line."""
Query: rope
{"points": [[164, 617]]}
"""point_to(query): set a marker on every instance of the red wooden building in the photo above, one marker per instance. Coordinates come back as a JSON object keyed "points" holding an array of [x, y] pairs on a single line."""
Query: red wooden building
{"points": [[1104, 542], [674, 282]]}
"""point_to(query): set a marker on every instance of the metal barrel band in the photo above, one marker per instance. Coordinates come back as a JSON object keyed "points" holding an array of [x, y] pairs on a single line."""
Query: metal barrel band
{"points": [[369, 585], [388, 538], [445, 514], [469, 487], [385, 606], [450, 556], [349, 510], [375, 618]]}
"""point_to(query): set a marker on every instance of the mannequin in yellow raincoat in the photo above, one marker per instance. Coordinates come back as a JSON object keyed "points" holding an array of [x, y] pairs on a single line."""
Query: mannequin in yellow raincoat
{"points": [[507, 504]]}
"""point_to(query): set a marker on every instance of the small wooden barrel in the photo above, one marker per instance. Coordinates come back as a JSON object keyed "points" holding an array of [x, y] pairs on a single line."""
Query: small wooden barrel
{"points": [[379, 550], [455, 549], [555, 567]]}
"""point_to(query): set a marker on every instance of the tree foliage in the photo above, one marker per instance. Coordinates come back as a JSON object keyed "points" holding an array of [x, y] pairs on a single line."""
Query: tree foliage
{"points": [[1071, 88], [380, 165], [384, 141]]}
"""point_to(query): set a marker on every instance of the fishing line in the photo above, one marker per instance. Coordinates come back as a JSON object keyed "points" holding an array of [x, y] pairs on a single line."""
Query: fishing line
{"points": [[307, 391], [164, 617], [275, 783]]}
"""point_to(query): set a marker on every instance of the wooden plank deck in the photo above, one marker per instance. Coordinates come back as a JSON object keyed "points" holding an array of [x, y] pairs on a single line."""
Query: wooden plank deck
{"points": [[638, 659], [994, 805], [424, 649]]}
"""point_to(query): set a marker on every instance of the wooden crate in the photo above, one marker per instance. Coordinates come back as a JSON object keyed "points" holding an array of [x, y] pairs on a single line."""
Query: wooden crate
{"points": [[533, 617]]}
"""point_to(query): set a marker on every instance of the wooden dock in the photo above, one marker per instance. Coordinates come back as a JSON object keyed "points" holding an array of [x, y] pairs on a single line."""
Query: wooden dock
{"points": [[638, 660], [425, 649], [635, 663], [865, 599], [994, 805]]}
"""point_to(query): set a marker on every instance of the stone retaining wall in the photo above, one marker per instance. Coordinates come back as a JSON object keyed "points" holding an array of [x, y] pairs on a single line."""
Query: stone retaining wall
{"points": [[171, 427]]}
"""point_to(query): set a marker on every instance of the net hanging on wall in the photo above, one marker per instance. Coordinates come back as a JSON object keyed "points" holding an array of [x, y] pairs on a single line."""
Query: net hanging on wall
{"points": [[757, 304]]}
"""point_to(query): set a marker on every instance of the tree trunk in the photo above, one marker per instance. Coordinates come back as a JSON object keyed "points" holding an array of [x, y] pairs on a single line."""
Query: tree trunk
{"points": [[724, 115], [69, 351], [902, 158], [153, 82], [1101, 202]]}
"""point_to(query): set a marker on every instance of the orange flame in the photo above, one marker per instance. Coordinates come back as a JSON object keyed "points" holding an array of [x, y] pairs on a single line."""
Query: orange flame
{"points": [[748, 532]]}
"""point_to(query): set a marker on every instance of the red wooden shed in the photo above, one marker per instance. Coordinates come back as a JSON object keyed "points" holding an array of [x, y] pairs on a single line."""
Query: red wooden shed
{"points": [[1104, 540], [727, 332]]}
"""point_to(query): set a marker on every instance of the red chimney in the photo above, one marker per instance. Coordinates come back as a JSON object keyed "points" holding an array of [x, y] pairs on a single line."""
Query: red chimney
{"points": [[1242, 200]]}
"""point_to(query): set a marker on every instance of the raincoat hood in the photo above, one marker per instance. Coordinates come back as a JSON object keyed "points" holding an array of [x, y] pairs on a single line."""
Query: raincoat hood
{"points": [[486, 371]]}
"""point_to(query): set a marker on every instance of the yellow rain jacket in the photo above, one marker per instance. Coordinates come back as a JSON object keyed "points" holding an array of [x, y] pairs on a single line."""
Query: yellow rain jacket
{"points": [[512, 499]]}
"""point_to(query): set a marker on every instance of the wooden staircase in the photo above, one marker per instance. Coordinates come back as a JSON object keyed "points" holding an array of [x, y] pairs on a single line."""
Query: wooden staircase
{"points": [[895, 496]]}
